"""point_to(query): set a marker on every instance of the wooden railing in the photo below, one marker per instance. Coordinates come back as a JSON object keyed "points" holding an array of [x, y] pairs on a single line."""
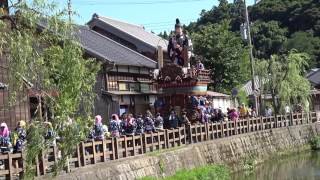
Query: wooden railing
{"points": [[93, 152]]}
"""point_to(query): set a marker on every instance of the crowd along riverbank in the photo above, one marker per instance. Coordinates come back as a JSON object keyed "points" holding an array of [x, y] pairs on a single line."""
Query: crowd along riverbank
{"points": [[233, 150]]}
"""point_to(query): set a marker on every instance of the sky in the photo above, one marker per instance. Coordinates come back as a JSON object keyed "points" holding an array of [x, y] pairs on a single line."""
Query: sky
{"points": [[155, 15]]}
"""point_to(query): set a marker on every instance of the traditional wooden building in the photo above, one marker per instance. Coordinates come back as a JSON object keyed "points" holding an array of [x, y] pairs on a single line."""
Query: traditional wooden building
{"points": [[132, 36], [125, 82], [15, 109], [314, 78]]}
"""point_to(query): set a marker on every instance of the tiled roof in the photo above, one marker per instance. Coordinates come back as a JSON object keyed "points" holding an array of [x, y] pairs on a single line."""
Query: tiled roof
{"points": [[248, 86], [314, 77], [109, 50], [217, 94], [135, 31]]}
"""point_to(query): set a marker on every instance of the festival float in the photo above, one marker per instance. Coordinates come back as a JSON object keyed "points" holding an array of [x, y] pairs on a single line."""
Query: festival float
{"points": [[182, 82]]}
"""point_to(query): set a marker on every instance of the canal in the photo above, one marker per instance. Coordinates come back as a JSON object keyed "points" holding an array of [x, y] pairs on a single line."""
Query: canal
{"points": [[301, 166]]}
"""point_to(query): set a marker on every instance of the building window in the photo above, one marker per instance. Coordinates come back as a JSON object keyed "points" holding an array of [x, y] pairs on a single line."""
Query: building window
{"points": [[133, 69], [123, 69], [112, 85], [144, 71], [145, 87], [134, 87], [123, 87]]}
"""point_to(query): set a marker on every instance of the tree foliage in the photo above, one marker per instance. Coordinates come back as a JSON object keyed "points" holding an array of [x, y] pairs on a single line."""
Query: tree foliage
{"points": [[284, 79], [297, 15], [224, 54], [234, 12], [268, 38], [164, 35], [273, 23], [42, 49], [308, 43]]}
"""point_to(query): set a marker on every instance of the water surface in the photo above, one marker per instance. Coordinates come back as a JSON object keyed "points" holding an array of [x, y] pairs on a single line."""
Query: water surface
{"points": [[300, 166]]}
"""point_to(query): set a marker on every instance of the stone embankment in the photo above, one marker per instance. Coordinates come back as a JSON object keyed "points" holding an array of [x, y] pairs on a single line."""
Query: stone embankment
{"points": [[231, 151]]}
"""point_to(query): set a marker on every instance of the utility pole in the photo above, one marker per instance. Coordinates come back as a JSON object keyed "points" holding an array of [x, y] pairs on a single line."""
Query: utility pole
{"points": [[251, 56], [69, 10]]}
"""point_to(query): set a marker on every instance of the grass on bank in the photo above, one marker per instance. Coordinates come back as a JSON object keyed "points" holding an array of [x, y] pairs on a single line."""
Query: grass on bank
{"points": [[315, 143], [210, 172]]}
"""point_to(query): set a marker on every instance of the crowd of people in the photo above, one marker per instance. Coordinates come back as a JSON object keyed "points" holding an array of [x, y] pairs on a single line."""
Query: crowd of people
{"points": [[128, 124], [12, 141]]}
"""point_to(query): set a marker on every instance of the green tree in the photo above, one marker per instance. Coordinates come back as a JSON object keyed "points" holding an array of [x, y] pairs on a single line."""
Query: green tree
{"points": [[224, 55], [296, 15], [164, 35], [268, 38], [52, 60], [306, 42], [283, 78], [234, 12]]}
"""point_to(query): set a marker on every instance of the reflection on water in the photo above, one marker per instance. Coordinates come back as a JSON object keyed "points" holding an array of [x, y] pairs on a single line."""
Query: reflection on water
{"points": [[302, 166]]}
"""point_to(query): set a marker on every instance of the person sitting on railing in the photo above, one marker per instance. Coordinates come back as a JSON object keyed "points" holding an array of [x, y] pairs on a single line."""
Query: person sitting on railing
{"points": [[173, 119], [209, 110], [50, 134], [229, 113], [158, 121], [115, 126], [184, 119], [140, 124], [98, 130], [243, 111], [287, 109], [5, 143], [220, 115], [234, 115], [268, 111], [254, 113], [19, 136], [130, 125], [123, 122], [148, 123]]}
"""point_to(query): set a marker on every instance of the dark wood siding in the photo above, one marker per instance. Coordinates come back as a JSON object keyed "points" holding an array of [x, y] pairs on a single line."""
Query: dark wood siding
{"points": [[104, 105], [18, 110]]}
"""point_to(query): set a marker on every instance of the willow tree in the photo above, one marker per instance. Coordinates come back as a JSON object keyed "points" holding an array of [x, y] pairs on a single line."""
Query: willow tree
{"points": [[42, 50], [283, 78]]}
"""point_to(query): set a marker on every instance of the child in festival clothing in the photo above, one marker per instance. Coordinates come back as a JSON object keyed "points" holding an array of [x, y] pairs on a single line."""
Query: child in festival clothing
{"points": [[140, 125], [115, 126], [5, 142], [50, 134], [19, 136], [130, 125], [123, 123], [148, 123], [173, 119], [158, 122], [98, 131], [234, 115], [184, 119]]}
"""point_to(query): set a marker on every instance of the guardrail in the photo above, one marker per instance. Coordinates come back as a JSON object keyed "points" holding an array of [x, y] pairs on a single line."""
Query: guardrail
{"points": [[93, 152]]}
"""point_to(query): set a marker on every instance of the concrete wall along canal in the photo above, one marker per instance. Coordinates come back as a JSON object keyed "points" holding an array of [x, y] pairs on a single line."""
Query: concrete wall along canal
{"points": [[259, 142]]}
